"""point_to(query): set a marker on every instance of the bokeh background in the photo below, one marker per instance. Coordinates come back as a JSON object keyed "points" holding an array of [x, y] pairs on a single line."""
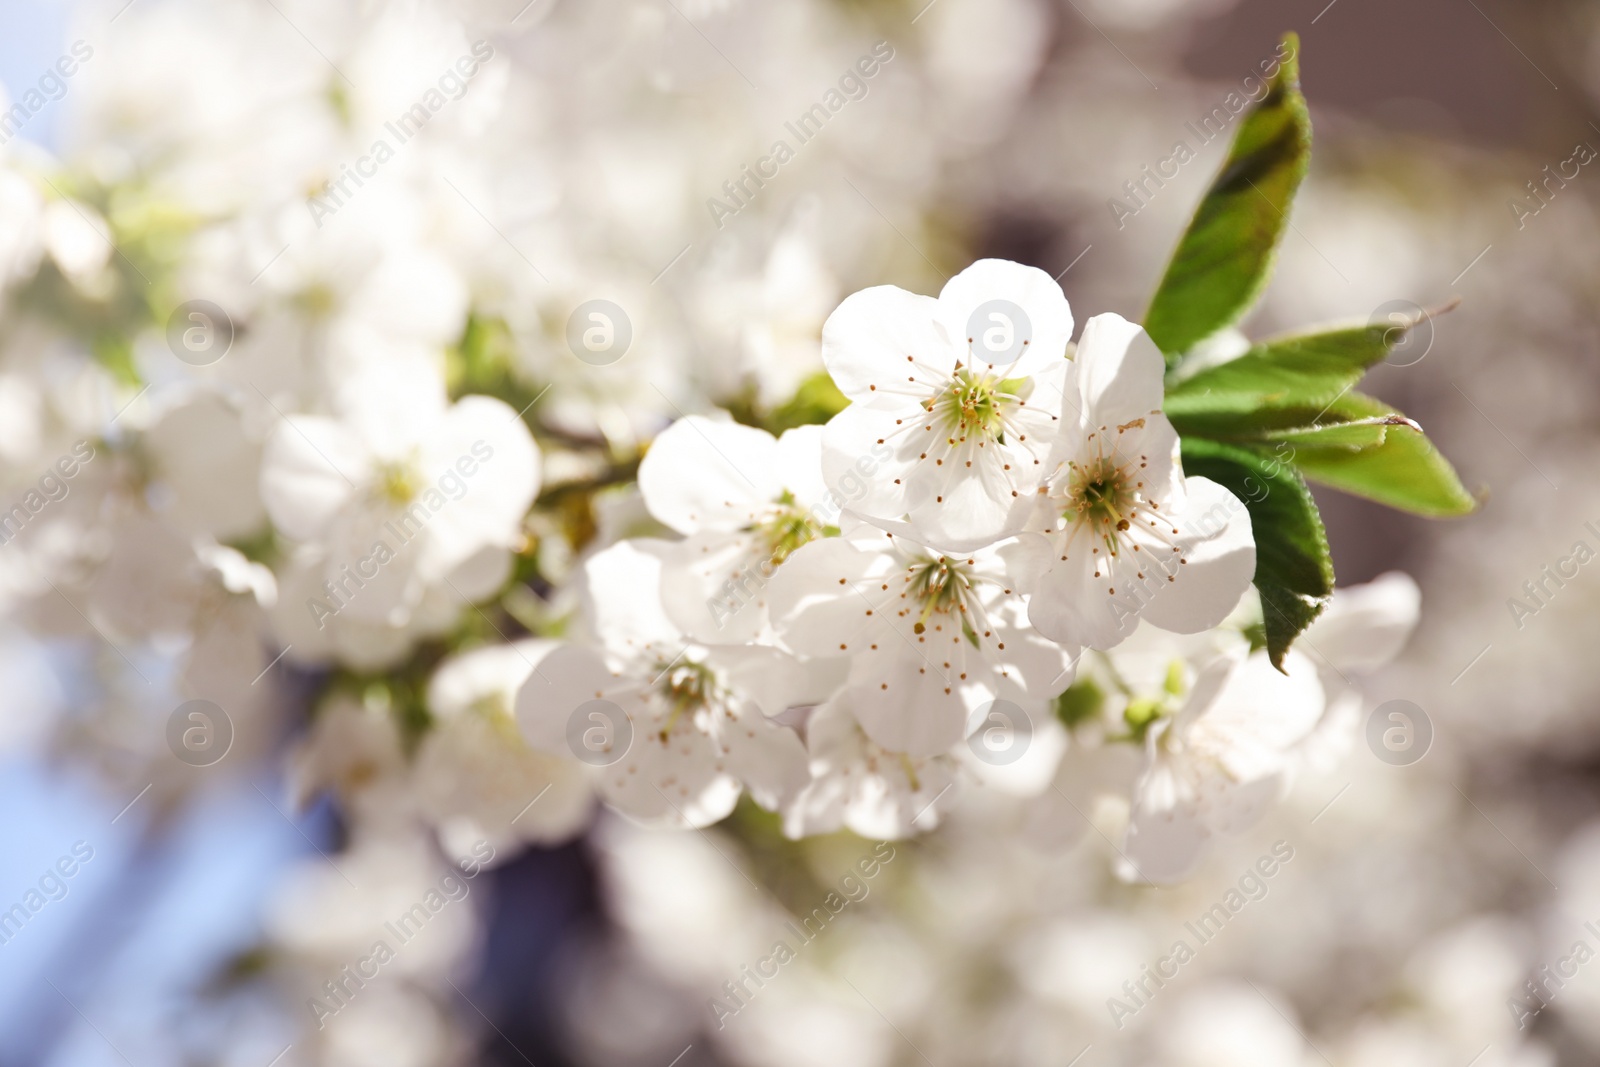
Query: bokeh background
{"points": [[1420, 900]]}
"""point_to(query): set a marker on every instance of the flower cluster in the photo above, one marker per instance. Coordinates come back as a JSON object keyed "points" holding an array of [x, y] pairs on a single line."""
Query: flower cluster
{"points": [[386, 420], [870, 574], [993, 536], [390, 446]]}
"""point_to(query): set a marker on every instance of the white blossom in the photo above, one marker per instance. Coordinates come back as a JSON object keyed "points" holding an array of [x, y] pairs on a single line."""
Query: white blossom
{"points": [[680, 727], [1118, 533], [1226, 733], [744, 501], [1215, 764], [931, 638], [967, 436], [400, 497]]}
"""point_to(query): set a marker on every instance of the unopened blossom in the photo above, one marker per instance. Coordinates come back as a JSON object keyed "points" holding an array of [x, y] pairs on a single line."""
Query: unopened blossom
{"points": [[1118, 533], [968, 429], [673, 729], [744, 501], [931, 637]]}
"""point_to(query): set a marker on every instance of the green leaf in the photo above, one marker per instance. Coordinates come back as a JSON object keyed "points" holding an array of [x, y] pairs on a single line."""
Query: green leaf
{"points": [[1280, 384], [1342, 437], [1225, 257], [1285, 615], [481, 356], [1294, 571], [1081, 701], [1299, 392], [816, 401], [484, 362], [115, 353], [1405, 471], [1256, 634]]}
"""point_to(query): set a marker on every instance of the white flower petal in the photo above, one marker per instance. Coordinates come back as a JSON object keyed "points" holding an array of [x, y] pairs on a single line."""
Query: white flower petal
{"points": [[774, 680], [812, 618], [1060, 816], [856, 784], [713, 586], [799, 465], [1035, 666], [622, 596], [204, 453], [769, 758], [1072, 606], [865, 469], [484, 463], [1030, 289], [1167, 835], [474, 772], [884, 340], [919, 713], [563, 680], [462, 681], [682, 781], [1250, 723], [1163, 847], [1220, 561], [393, 406], [1025, 772], [1119, 372], [1365, 626], [710, 474], [480, 576], [311, 469]]}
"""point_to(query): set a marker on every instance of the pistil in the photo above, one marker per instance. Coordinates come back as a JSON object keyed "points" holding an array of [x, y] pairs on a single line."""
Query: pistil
{"points": [[687, 687]]}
